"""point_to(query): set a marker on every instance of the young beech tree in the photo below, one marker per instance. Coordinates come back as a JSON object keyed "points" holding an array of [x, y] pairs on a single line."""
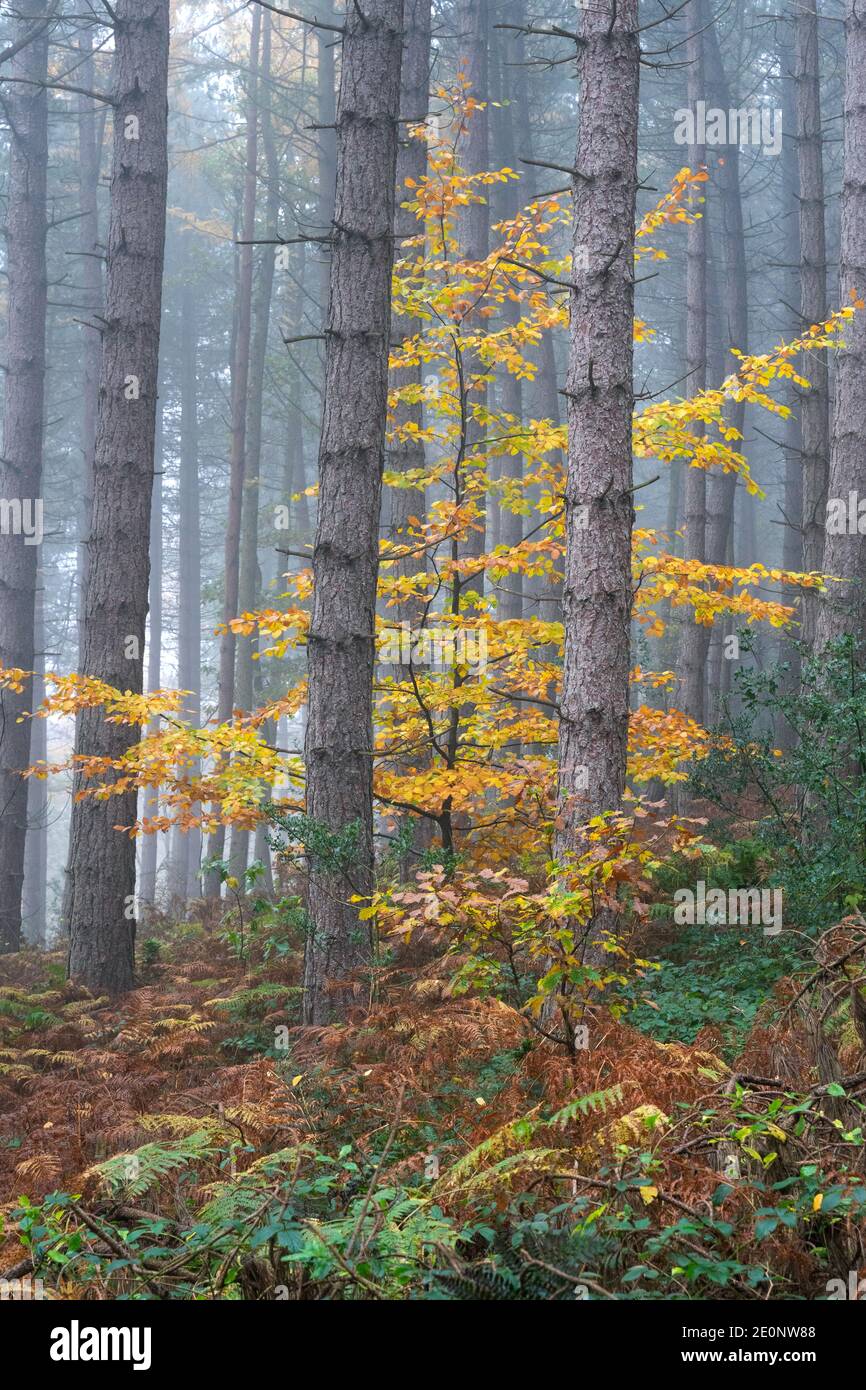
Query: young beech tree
{"points": [[342, 640], [23, 424], [102, 858], [599, 508], [457, 712]]}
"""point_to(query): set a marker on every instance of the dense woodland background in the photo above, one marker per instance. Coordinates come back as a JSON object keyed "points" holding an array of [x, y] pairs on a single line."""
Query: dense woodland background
{"points": [[431, 550]]}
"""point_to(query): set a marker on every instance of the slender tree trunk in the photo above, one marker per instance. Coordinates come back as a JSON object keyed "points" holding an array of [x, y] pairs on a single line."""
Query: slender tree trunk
{"points": [[695, 639], [150, 799], [541, 597], [722, 488], [102, 861], [250, 575], [597, 593], [815, 404], [510, 601], [408, 454], [843, 609], [23, 427], [237, 467], [91, 126], [341, 644], [91, 130], [473, 237], [792, 507], [186, 851], [326, 99], [36, 856]]}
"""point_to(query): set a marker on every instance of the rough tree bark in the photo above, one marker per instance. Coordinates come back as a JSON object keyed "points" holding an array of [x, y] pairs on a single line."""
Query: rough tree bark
{"points": [[186, 849], [473, 238], [35, 913], [695, 638], [237, 464], [250, 572], [510, 598], [721, 489], [843, 608], [150, 798], [91, 133], [408, 454], [23, 426], [814, 404], [102, 859], [341, 644], [792, 506], [597, 592]]}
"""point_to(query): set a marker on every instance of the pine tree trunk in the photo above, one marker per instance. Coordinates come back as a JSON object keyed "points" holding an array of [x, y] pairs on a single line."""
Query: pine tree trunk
{"points": [[36, 855], [102, 860], [695, 639], [510, 599], [91, 131], [408, 454], [91, 126], [237, 466], [473, 238], [326, 135], [814, 404], [251, 578], [23, 427], [186, 849], [792, 506], [843, 608], [341, 645], [722, 488], [597, 593], [150, 798]]}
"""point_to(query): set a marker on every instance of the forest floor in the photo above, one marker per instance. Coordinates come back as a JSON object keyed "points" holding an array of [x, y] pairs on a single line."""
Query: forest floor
{"points": [[193, 1140]]}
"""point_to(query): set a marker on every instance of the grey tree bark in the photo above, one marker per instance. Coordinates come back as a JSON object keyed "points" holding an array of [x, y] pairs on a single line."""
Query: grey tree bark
{"points": [[473, 237], [91, 133], [406, 455], [814, 404], [843, 609], [341, 644], [792, 507], [597, 592], [35, 904], [695, 639], [23, 428], [150, 798], [186, 847], [237, 463], [250, 572], [722, 488], [102, 859], [510, 599]]}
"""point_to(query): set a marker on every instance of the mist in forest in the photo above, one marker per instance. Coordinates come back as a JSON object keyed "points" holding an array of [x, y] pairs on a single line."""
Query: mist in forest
{"points": [[433, 568]]}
